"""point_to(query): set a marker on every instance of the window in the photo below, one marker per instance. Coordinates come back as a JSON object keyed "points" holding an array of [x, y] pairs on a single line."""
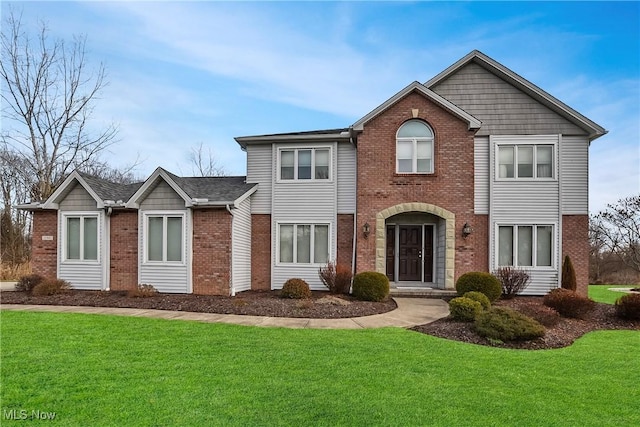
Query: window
{"points": [[525, 161], [305, 164], [528, 245], [81, 237], [164, 242], [414, 148], [303, 243]]}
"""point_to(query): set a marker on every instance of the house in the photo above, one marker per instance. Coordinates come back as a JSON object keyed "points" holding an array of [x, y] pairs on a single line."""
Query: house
{"points": [[475, 169]]}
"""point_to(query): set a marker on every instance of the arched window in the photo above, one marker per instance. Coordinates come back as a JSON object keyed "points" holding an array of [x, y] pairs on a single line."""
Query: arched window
{"points": [[414, 148]]}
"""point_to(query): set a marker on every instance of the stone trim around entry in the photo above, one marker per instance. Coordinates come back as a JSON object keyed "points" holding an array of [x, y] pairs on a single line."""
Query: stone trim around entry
{"points": [[450, 226]]}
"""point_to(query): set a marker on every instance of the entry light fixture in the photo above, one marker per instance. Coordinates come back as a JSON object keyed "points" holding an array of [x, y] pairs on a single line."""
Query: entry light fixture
{"points": [[466, 230], [366, 229]]}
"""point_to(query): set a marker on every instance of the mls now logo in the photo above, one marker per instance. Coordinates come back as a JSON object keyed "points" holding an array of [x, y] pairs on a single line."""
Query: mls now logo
{"points": [[23, 414]]}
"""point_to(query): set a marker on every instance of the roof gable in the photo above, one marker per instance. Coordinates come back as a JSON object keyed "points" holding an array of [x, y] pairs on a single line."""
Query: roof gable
{"points": [[67, 185]]}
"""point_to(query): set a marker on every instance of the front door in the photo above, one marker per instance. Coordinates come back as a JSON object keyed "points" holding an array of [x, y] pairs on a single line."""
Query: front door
{"points": [[410, 253]]}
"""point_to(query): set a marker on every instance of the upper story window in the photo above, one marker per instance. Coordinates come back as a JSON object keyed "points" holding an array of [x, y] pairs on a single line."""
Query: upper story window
{"points": [[305, 164], [525, 161], [81, 237], [414, 148]]}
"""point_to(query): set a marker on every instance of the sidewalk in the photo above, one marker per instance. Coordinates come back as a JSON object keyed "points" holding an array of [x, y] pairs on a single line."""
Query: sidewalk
{"points": [[410, 312]]}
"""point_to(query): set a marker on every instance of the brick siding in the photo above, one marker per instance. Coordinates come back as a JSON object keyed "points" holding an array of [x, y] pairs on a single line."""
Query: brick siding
{"points": [[345, 239], [211, 262], [575, 243], [261, 252], [44, 253], [123, 260]]}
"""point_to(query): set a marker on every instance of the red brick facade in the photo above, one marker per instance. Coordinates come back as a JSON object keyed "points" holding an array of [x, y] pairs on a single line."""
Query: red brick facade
{"points": [[345, 239], [260, 252], [44, 245], [123, 259], [211, 262], [450, 186], [575, 243]]}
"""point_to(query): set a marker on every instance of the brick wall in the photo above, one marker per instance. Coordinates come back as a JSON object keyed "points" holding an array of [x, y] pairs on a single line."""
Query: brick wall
{"points": [[211, 262], [123, 259], [575, 243], [345, 239], [44, 253], [261, 252], [450, 187]]}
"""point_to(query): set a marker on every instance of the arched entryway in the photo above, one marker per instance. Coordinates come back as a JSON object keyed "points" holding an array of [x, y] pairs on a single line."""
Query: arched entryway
{"points": [[415, 244]]}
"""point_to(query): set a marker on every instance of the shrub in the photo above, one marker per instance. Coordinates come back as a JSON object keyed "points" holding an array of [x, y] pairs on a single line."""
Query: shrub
{"points": [[51, 287], [370, 286], [568, 303], [513, 281], [568, 275], [336, 277], [296, 289], [544, 315], [464, 309], [27, 283], [479, 297], [480, 282], [628, 307], [142, 291], [505, 324]]}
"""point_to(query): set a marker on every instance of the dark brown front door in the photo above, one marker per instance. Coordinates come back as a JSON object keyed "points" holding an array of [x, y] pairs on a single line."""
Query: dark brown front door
{"points": [[410, 253]]}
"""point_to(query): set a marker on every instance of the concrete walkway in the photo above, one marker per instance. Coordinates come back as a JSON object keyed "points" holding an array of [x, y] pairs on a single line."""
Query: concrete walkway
{"points": [[410, 312]]}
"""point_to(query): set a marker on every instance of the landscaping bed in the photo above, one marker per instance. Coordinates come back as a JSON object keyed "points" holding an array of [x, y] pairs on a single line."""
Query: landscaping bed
{"points": [[562, 334], [321, 305]]}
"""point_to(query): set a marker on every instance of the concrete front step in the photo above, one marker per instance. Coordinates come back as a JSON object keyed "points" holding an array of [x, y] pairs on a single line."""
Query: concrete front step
{"points": [[422, 292]]}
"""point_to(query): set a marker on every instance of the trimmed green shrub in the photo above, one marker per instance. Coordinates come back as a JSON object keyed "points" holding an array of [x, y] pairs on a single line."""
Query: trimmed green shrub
{"points": [[370, 286], [296, 289], [142, 291], [51, 287], [628, 307], [28, 282], [479, 297], [480, 282], [568, 303], [464, 309], [336, 277], [512, 279], [568, 275], [504, 324]]}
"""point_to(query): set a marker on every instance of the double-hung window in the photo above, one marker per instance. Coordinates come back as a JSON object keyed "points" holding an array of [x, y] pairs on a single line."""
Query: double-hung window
{"points": [[525, 161], [305, 164], [525, 245], [164, 240], [414, 148], [303, 243], [81, 237]]}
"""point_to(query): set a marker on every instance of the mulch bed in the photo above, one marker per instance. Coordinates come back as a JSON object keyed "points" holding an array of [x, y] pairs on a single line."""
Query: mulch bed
{"points": [[322, 305], [562, 334]]}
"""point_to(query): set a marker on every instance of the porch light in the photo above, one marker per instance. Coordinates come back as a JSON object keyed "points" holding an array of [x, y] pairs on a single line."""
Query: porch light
{"points": [[366, 229], [466, 230]]}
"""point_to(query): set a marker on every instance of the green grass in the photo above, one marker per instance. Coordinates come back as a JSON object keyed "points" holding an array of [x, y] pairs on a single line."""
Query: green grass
{"points": [[107, 371], [601, 293]]}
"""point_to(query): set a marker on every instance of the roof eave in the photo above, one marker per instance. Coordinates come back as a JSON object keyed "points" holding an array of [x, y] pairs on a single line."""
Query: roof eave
{"points": [[268, 139]]}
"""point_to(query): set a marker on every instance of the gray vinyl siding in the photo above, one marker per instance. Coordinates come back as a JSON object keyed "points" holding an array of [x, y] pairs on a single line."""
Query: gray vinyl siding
{"points": [[302, 202], [346, 177], [522, 202], [78, 199], [84, 275], [481, 175], [260, 169], [241, 247], [502, 108], [574, 175], [162, 196]]}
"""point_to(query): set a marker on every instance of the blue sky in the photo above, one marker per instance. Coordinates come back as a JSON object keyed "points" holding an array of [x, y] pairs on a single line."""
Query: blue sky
{"points": [[185, 73]]}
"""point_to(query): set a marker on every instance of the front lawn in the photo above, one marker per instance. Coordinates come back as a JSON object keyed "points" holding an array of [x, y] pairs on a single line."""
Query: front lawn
{"points": [[601, 293], [107, 370]]}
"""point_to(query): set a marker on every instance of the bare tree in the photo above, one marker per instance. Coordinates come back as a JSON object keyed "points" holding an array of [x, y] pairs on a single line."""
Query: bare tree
{"points": [[616, 230], [204, 162], [48, 97]]}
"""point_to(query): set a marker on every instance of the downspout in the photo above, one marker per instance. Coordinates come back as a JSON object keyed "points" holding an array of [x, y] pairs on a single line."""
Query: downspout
{"points": [[233, 289], [355, 216]]}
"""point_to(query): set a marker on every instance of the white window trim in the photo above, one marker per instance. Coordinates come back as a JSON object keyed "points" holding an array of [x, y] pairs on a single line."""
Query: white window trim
{"points": [[414, 158], [313, 164], [63, 240], [295, 243], [534, 243], [554, 161], [145, 234]]}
